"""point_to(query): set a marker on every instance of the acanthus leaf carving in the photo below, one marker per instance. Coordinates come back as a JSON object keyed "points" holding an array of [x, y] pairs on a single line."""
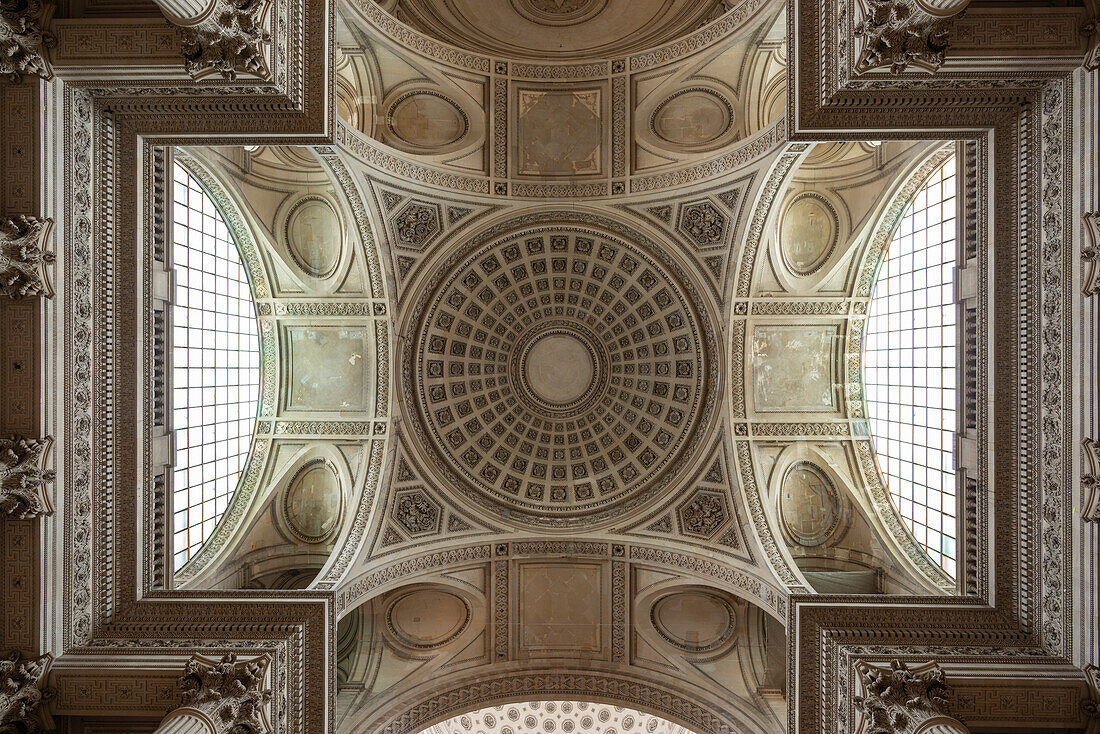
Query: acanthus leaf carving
{"points": [[22, 689], [899, 33], [1091, 481], [228, 692], [1092, 55], [24, 40], [23, 256], [1091, 252], [229, 40], [23, 477], [900, 700]]}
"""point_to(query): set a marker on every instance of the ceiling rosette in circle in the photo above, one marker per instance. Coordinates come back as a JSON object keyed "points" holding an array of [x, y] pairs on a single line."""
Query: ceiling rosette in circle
{"points": [[561, 370]]}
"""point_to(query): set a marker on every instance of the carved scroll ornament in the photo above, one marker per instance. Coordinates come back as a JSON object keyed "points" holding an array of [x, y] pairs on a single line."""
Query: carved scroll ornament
{"points": [[228, 693], [229, 40], [23, 477], [899, 700], [24, 40], [900, 33], [22, 689], [23, 256]]}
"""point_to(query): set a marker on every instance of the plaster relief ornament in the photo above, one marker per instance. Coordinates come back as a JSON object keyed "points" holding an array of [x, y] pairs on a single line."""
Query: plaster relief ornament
{"points": [[1090, 478], [898, 33], [22, 689], [23, 477], [23, 257], [228, 40], [903, 701], [24, 40], [228, 693]]}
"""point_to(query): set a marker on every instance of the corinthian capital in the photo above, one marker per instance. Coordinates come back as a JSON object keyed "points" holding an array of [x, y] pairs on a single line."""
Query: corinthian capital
{"points": [[901, 33], [22, 688], [227, 38], [23, 477], [23, 38], [23, 256], [228, 693], [1092, 55], [900, 700]]}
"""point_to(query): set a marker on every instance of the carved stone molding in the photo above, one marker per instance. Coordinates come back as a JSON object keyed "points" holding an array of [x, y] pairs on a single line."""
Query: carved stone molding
{"points": [[903, 701], [24, 40], [1091, 481], [1092, 55], [1091, 252], [228, 693], [1091, 705], [229, 40], [900, 33], [22, 689], [23, 257], [23, 477]]}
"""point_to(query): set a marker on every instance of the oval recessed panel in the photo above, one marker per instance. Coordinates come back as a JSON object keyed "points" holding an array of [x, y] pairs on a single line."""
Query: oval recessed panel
{"points": [[693, 620], [312, 503], [314, 237], [427, 120], [427, 618], [692, 118], [809, 505], [808, 234]]}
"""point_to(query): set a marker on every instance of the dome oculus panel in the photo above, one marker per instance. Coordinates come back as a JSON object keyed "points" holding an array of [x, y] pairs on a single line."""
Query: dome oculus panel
{"points": [[692, 117], [312, 502], [559, 372], [314, 236]]}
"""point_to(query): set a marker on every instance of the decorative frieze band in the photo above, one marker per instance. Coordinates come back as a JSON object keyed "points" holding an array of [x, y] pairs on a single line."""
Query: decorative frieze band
{"points": [[24, 256], [23, 476]]}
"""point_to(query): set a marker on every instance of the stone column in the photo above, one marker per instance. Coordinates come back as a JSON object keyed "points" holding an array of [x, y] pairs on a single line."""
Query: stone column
{"points": [[900, 700], [221, 697], [225, 36], [187, 12], [22, 689], [904, 33]]}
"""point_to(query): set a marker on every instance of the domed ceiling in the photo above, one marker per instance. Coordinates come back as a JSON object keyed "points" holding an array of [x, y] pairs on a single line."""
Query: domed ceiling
{"points": [[563, 369], [555, 29]]}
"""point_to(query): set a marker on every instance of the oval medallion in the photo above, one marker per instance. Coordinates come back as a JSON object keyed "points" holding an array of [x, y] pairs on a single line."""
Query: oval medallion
{"points": [[314, 237], [312, 502], [426, 120], [808, 233], [693, 620], [691, 118], [427, 618], [809, 505]]}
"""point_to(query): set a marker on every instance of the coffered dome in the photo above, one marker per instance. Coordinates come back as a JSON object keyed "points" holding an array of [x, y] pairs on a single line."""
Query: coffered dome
{"points": [[560, 369]]}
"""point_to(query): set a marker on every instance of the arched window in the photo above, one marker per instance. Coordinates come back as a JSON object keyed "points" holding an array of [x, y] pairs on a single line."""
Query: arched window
{"points": [[909, 367], [215, 358]]}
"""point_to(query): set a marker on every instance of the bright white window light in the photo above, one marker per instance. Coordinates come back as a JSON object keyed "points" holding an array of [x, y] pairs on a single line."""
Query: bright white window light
{"points": [[909, 367], [215, 365]]}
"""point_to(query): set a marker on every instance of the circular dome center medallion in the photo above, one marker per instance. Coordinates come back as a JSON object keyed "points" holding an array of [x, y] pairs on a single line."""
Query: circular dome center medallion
{"points": [[559, 368], [559, 372]]}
